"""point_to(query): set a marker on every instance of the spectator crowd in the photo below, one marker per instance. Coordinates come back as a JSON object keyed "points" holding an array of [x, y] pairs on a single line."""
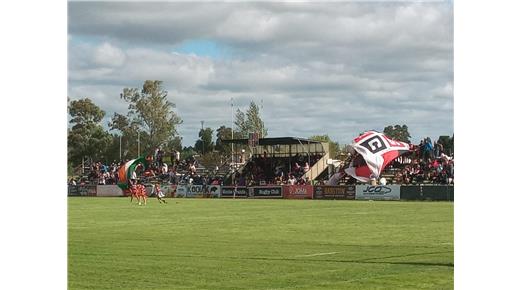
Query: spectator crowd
{"points": [[426, 163]]}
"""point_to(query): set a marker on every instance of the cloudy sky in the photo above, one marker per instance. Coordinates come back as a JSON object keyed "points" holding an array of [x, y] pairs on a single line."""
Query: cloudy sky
{"points": [[317, 68]]}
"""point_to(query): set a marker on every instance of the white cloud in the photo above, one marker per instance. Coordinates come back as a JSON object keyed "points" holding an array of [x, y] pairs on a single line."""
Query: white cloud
{"points": [[336, 68], [109, 56]]}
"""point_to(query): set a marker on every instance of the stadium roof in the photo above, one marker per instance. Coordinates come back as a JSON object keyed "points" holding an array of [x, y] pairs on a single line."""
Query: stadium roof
{"points": [[273, 141]]}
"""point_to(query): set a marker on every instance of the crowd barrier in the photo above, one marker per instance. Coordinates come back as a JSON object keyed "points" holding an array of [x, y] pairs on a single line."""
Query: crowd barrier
{"points": [[345, 192], [427, 192]]}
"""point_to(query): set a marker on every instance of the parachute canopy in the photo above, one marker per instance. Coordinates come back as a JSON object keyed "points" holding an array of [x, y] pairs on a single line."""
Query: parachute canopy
{"points": [[125, 172], [378, 151]]}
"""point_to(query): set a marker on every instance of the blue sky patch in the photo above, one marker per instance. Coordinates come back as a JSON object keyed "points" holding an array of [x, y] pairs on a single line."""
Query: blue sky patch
{"points": [[205, 48]]}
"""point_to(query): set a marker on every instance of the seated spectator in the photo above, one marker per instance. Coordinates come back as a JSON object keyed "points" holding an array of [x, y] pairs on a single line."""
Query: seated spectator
{"points": [[291, 180]]}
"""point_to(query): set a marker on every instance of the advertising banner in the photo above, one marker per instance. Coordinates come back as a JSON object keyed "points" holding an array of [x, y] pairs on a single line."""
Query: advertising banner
{"points": [[73, 190], [230, 191], [379, 192], [297, 191], [266, 191], [213, 191], [335, 192], [190, 190], [109, 190], [87, 190], [427, 192]]}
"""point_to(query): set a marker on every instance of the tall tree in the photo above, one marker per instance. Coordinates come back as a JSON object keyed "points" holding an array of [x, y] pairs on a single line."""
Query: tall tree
{"points": [[128, 131], [241, 127], [334, 149], [205, 142], [223, 133], [250, 122], [86, 137], [398, 132], [175, 144], [150, 113], [447, 144]]}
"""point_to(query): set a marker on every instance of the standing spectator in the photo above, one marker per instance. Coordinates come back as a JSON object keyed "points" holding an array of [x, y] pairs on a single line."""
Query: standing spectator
{"points": [[429, 148], [192, 168], [155, 156], [306, 167], [173, 156], [160, 155]]}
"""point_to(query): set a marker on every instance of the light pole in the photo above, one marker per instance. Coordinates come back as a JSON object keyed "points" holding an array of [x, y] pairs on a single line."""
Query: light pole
{"points": [[261, 122], [120, 136], [138, 144], [202, 136], [232, 129]]}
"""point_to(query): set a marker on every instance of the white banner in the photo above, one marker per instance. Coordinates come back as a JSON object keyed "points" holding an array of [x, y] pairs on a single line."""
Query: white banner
{"points": [[379, 192], [189, 190], [109, 190]]}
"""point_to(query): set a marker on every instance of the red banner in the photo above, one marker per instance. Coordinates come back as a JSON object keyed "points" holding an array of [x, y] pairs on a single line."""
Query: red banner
{"points": [[297, 191]]}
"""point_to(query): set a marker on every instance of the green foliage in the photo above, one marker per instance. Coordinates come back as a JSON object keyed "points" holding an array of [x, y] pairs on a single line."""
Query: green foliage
{"points": [[259, 244], [334, 149], [448, 143], [205, 143], [150, 113], [86, 137], [223, 133], [187, 152], [84, 112], [398, 132], [249, 122], [175, 143]]}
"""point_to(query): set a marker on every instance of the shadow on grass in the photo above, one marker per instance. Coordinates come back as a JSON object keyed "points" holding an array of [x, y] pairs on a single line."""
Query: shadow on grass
{"points": [[358, 261]]}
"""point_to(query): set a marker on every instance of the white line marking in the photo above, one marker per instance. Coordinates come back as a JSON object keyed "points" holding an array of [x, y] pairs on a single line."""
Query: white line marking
{"points": [[318, 254]]}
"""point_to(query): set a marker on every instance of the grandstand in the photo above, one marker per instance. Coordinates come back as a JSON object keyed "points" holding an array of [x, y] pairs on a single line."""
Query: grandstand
{"points": [[280, 157]]}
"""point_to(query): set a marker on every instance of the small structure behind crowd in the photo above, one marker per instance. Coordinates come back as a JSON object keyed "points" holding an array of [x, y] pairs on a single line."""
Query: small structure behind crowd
{"points": [[281, 160]]}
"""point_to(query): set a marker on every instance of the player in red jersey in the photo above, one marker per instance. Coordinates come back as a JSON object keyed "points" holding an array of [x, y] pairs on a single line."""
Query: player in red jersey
{"points": [[158, 193], [141, 193]]}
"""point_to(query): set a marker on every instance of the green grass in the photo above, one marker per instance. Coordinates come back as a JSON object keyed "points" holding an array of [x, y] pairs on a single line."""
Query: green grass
{"points": [[259, 244]]}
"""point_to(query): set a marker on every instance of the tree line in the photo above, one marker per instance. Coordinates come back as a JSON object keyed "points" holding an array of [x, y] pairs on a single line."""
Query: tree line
{"points": [[151, 119]]}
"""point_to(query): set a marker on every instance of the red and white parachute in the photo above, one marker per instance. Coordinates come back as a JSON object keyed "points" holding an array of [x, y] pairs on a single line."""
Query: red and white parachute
{"points": [[378, 151]]}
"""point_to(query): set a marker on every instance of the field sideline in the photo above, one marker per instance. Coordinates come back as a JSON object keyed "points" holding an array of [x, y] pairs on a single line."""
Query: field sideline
{"points": [[259, 244]]}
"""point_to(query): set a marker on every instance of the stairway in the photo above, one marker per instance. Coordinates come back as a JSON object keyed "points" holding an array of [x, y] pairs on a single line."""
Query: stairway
{"points": [[319, 167]]}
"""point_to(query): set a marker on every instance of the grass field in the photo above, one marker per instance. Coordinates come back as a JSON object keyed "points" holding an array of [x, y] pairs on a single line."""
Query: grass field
{"points": [[259, 244]]}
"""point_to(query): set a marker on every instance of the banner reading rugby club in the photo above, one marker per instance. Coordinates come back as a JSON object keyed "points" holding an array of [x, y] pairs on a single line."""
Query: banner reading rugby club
{"points": [[334, 192], [297, 191], [231, 191], [266, 191], [380, 192]]}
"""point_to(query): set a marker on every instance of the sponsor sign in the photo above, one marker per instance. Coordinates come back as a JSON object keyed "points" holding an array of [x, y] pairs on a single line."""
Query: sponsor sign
{"points": [[230, 191], [213, 191], [298, 191], [87, 190], [190, 190], [379, 192], [109, 190], [266, 191], [73, 190], [335, 192]]}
